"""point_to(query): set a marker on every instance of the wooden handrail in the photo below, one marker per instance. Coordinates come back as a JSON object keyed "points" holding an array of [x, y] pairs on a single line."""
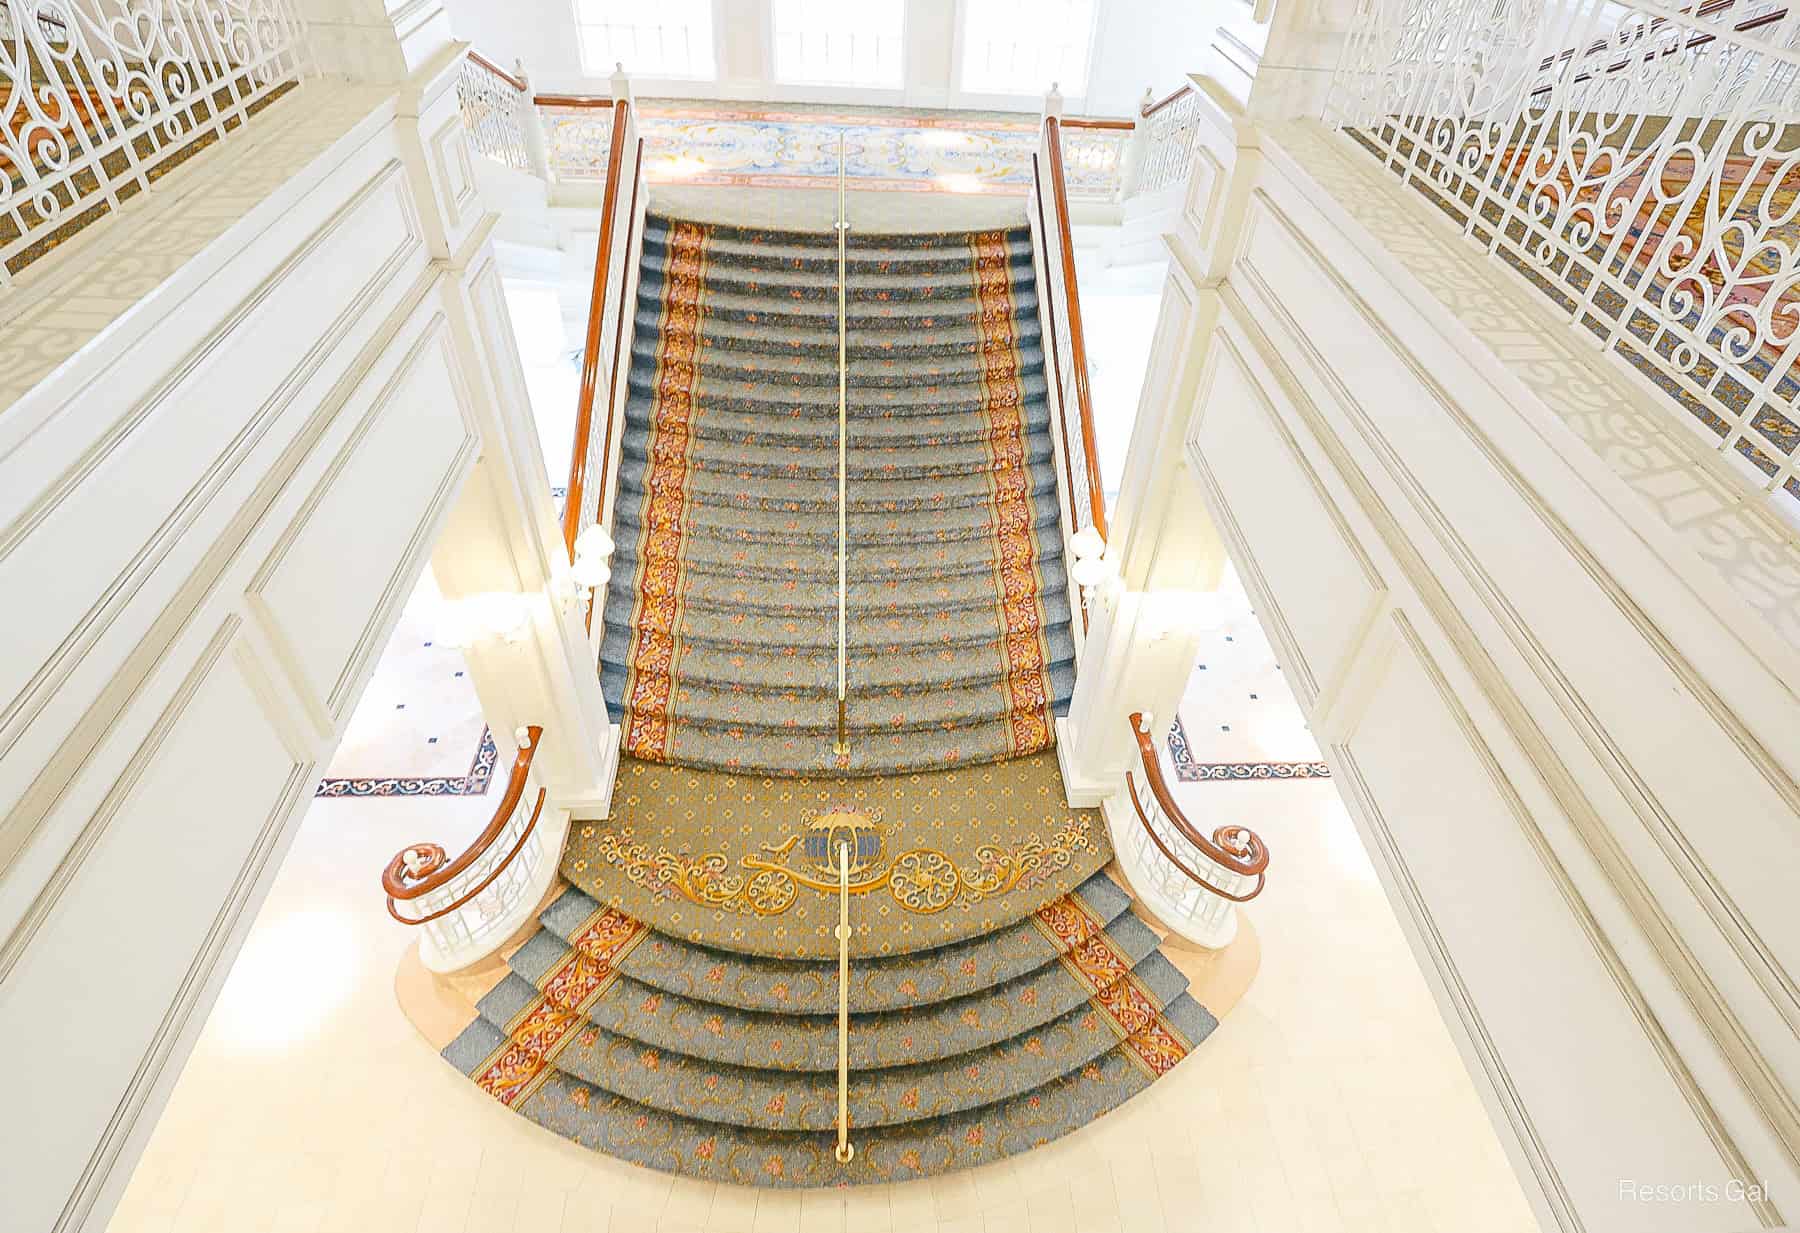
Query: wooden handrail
{"points": [[497, 71], [403, 882], [1235, 848], [537, 811], [637, 180], [1084, 403], [1150, 109], [1090, 122], [570, 100], [590, 353]]}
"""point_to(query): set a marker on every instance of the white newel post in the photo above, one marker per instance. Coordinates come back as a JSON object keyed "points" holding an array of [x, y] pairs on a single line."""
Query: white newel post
{"points": [[537, 138], [1139, 653]]}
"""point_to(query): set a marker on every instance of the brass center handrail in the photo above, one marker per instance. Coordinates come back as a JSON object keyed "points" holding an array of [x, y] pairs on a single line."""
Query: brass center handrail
{"points": [[842, 747], [844, 1152]]}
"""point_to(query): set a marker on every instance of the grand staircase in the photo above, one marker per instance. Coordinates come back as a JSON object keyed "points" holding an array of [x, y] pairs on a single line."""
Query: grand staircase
{"points": [[677, 1004], [721, 619]]}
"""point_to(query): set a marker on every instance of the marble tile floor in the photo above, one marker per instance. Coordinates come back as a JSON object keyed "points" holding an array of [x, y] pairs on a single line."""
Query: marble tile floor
{"points": [[1331, 1099]]}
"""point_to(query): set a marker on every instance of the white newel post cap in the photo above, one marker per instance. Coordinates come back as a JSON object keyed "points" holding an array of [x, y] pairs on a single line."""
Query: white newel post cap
{"points": [[621, 84], [522, 735], [1087, 543], [1053, 101]]}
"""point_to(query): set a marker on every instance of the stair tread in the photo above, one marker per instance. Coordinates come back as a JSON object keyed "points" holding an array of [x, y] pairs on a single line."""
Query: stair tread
{"points": [[785, 1041], [709, 1151], [878, 982], [885, 1086], [780, 754]]}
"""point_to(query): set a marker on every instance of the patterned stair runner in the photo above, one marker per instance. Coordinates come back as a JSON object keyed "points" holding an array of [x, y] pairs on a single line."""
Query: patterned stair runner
{"points": [[721, 1066], [721, 618]]}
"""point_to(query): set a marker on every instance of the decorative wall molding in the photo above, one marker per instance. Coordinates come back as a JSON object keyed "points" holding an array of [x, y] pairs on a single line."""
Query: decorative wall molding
{"points": [[1263, 301]]}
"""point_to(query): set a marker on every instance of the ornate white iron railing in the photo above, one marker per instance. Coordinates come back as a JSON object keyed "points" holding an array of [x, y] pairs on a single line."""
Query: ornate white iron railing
{"points": [[99, 98], [1168, 128], [1638, 162], [1192, 881], [1094, 157], [494, 106], [466, 906]]}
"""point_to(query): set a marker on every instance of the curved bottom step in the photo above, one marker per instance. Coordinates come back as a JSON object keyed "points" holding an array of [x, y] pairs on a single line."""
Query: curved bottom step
{"points": [[443, 1008], [710, 1151]]}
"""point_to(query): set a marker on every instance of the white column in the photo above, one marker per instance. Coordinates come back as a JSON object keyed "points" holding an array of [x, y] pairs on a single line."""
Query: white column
{"points": [[537, 139], [1140, 651]]}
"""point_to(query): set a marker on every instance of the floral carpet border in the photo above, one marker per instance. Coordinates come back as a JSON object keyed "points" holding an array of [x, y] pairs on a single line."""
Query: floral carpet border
{"points": [[1189, 771], [475, 783]]}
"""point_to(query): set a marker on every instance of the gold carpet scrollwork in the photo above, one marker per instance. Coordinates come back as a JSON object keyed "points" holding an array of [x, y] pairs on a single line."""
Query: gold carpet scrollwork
{"points": [[924, 881]]}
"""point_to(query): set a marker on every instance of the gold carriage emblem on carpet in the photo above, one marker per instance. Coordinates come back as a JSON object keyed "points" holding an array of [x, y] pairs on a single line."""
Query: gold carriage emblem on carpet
{"points": [[921, 880], [840, 826]]}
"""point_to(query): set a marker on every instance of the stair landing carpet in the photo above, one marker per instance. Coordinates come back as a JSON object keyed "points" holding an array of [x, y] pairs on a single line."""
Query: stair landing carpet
{"points": [[747, 864], [721, 619]]}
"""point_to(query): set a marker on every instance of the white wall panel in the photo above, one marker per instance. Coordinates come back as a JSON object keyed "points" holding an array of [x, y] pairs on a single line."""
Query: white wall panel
{"points": [[1324, 588], [120, 506], [116, 967], [1553, 729], [1487, 889], [217, 515], [333, 586]]}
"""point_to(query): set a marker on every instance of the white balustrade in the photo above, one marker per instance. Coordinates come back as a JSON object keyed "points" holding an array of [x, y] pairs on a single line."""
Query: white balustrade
{"points": [[494, 106], [1168, 137], [1094, 160], [493, 888], [101, 97], [1637, 162], [1192, 884]]}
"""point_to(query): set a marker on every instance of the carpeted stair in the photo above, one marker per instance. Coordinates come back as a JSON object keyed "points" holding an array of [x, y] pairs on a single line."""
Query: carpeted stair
{"points": [[722, 1066], [721, 619]]}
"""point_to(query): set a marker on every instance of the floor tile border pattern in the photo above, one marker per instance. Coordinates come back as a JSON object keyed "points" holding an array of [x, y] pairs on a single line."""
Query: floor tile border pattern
{"points": [[475, 783], [1189, 771]]}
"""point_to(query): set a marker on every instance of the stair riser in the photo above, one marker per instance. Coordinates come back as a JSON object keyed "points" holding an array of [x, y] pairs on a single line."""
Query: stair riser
{"points": [[723, 365], [894, 983], [871, 316], [861, 345], [710, 392], [821, 258], [820, 431], [819, 495], [816, 676]]}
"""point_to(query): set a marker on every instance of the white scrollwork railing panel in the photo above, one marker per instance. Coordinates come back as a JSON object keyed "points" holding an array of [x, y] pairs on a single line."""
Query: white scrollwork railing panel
{"points": [[1171, 139], [493, 109], [1094, 161], [99, 98], [1638, 163]]}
